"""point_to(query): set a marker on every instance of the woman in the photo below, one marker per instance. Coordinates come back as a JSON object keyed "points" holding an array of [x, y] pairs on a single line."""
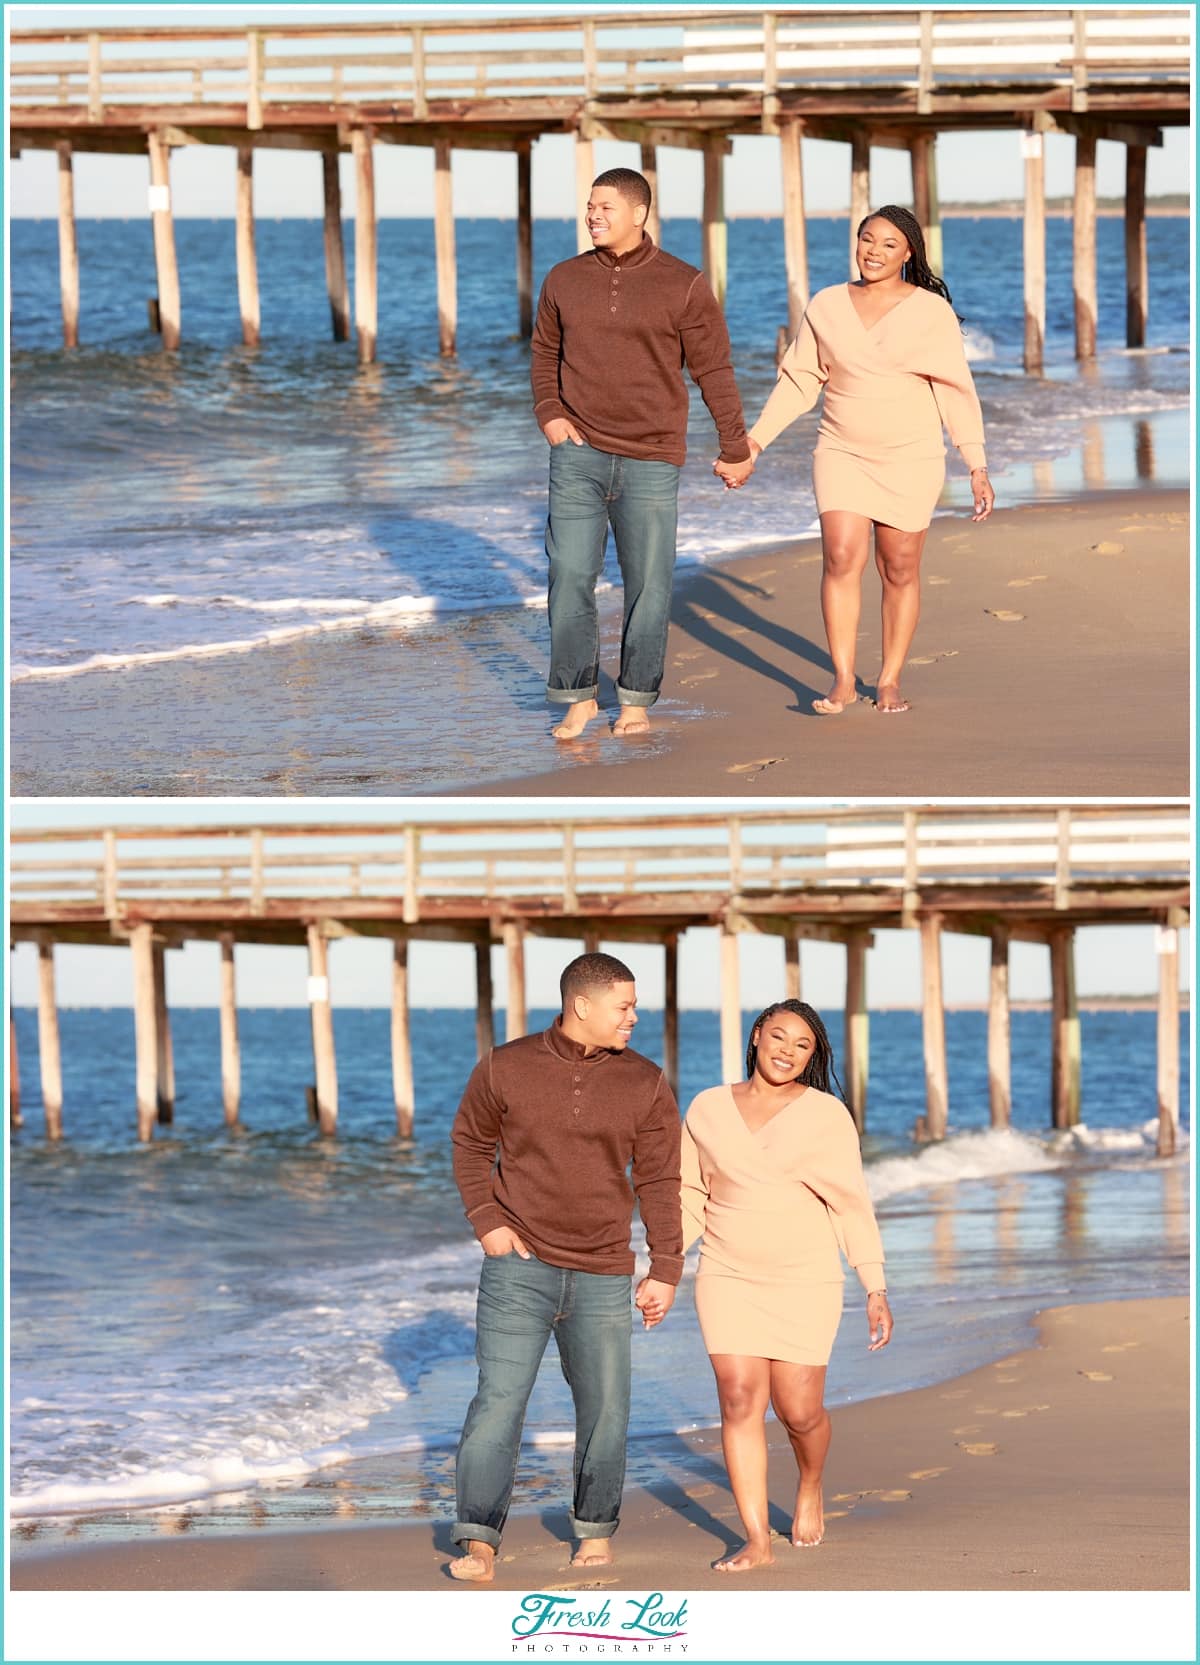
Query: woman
{"points": [[888, 353], [773, 1181]]}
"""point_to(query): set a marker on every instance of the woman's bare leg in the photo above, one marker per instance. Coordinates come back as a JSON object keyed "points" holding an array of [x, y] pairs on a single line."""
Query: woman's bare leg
{"points": [[798, 1395], [744, 1390], [845, 549], [898, 558]]}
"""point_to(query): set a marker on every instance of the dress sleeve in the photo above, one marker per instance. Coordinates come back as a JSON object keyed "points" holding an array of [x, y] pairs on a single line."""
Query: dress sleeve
{"points": [[833, 1169], [954, 389], [797, 388], [693, 1191]]}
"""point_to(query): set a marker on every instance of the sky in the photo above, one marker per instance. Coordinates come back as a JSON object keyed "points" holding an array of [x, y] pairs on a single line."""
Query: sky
{"points": [[1109, 960], [972, 167]]}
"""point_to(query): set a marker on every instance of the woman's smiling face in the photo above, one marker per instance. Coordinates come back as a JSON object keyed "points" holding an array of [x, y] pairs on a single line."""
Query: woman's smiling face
{"points": [[785, 1045], [881, 251]]}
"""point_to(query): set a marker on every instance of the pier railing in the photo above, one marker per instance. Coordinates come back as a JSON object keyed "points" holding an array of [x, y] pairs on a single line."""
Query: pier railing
{"points": [[414, 67], [112, 870]]}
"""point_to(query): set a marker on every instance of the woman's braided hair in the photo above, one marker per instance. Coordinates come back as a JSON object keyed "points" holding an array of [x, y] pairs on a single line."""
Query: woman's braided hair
{"points": [[819, 1070], [916, 268]]}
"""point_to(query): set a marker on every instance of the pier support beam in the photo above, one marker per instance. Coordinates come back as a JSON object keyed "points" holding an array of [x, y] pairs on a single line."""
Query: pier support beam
{"points": [[1168, 1037], [857, 1025], [585, 172], [402, 1052], [714, 232], [792, 981], [49, 1055], [650, 174], [443, 239], [1137, 276], [231, 1057], [1084, 235], [485, 1022], [860, 192], [1064, 1017], [15, 1118], [525, 240], [68, 247], [169, 321], [923, 155], [933, 1029], [141, 944], [517, 1015], [795, 231], [164, 1058], [366, 245], [999, 1042], [247, 265], [1033, 147], [732, 1046], [335, 248], [321, 1010], [671, 1012]]}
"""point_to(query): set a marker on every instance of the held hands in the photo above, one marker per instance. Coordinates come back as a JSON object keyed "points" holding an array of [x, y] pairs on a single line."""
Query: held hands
{"points": [[879, 1321], [981, 491], [653, 1300], [736, 474], [503, 1240], [558, 430]]}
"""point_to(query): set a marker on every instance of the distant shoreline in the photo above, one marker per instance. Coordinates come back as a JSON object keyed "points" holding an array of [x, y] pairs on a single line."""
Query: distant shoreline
{"points": [[951, 211], [1093, 1003]]}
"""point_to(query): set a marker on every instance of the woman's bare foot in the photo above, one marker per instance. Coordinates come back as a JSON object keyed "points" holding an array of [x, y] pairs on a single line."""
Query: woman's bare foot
{"points": [[808, 1523], [477, 1566], [632, 720], [888, 698], [576, 720], [836, 700], [593, 1552], [751, 1555]]}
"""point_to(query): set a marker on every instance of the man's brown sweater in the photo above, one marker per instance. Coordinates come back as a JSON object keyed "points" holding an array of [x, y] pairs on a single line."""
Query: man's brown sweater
{"points": [[567, 1127], [612, 336]]}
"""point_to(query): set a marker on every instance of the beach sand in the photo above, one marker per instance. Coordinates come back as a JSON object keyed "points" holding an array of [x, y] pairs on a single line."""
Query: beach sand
{"points": [[1064, 1467], [1052, 657]]}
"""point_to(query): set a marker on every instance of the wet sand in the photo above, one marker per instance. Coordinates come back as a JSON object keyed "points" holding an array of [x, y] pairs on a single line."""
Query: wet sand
{"points": [[1064, 1467], [1052, 658]]}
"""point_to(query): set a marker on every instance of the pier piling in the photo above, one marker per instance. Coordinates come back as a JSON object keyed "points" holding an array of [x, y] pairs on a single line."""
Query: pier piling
{"points": [[516, 1015], [68, 247], [860, 192], [585, 172], [933, 1028], [999, 1042], [525, 239], [671, 1011], [164, 1059], [366, 245], [324, 1057], [485, 1022], [231, 1058], [1084, 238], [402, 1052], [1066, 1058], [335, 248], [247, 266], [141, 944], [49, 1055], [166, 267], [714, 231], [857, 1025], [792, 981], [1034, 248], [1137, 275], [795, 238], [15, 1119], [1167, 944], [649, 160], [443, 237], [926, 207], [732, 1041]]}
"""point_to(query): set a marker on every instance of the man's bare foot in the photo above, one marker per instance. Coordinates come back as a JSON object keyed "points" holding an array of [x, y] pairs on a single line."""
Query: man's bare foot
{"points": [[836, 700], [888, 698], [593, 1552], [632, 720], [576, 720], [477, 1566], [750, 1555], [808, 1523]]}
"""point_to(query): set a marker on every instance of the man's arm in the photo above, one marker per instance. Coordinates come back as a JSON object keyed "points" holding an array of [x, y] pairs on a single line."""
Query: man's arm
{"points": [[709, 358], [545, 351], [656, 1181], [475, 1136]]}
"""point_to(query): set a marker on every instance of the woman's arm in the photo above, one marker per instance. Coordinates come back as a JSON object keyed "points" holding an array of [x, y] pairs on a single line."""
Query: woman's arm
{"points": [[954, 389], [693, 1191], [797, 389], [833, 1169]]}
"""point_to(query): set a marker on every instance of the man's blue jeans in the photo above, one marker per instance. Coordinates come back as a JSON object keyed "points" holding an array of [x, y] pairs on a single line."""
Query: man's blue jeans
{"points": [[589, 490], [521, 1304]]}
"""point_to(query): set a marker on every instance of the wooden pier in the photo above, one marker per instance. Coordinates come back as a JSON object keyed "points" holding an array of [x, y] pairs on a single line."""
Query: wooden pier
{"points": [[1010, 875], [693, 79]]}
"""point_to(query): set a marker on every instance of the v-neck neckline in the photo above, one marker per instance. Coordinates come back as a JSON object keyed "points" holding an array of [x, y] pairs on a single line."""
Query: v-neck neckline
{"points": [[754, 1132], [869, 329]]}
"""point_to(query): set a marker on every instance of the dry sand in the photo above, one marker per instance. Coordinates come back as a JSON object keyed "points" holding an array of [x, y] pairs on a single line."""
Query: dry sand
{"points": [[1064, 1467]]}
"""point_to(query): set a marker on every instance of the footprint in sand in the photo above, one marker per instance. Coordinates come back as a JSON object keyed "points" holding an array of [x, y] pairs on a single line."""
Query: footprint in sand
{"points": [[957, 1393], [1008, 1378], [1120, 1346], [895, 1497], [836, 1514], [701, 1491], [982, 1450], [932, 658], [1095, 1375], [754, 768], [1022, 583], [700, 676], [1013, 1413], [926, 1473], [681, 657], [1108, 548], [1003, 615], [937, 580]]}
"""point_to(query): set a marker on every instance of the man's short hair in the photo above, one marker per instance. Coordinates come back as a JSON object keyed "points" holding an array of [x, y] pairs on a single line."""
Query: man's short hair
{"points": [[631, 184], [591, 972]]}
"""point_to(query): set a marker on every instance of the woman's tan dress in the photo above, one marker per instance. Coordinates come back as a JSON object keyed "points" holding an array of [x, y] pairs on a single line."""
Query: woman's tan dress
{"points": [[889, 389], [774, 1208]]}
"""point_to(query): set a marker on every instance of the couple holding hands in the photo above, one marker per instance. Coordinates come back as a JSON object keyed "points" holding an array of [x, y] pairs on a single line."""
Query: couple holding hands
{"points": [[555, 1134], [614, 329]]}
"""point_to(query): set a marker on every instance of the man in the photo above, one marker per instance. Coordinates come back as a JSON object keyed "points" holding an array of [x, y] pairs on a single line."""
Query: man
{"points": [[614, 328], [569, 1110]]}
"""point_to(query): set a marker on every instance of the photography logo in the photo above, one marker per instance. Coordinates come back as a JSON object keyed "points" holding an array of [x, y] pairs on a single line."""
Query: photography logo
{"points": [[625, 1627]]}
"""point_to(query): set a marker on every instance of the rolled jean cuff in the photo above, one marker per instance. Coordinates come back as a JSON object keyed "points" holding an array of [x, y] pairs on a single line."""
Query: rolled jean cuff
{"points": [[462, 1532], [626, 696], [574, 696], [593, 1528]]}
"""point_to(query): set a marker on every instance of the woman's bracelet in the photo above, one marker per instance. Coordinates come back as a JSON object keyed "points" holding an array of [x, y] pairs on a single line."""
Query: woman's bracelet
{"points": [[980, 470], [873, 1292]]}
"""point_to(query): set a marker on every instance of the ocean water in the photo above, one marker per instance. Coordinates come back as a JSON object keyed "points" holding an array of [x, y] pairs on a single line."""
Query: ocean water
{"points": [[210, 502], [220, 1318]]}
